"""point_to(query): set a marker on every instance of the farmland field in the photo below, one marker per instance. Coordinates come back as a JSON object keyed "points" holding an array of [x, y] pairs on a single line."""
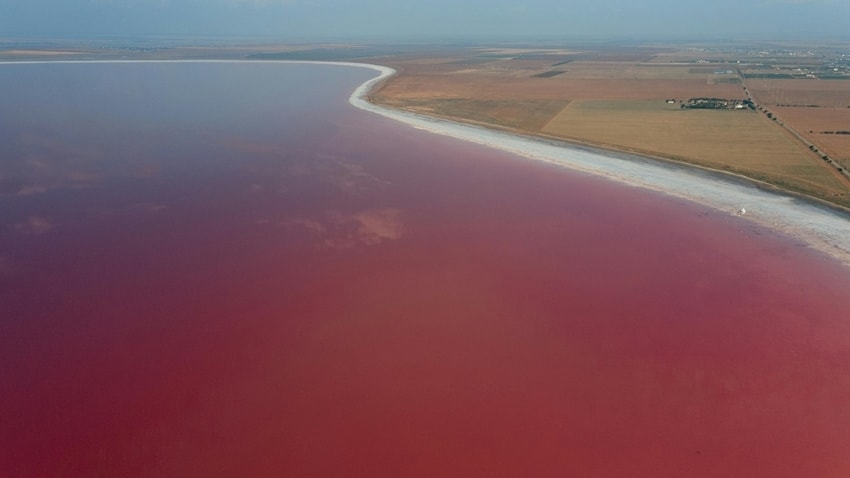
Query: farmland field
{"points": [[827, 93], [619, 100], [818, 125], [491, 86], [738, 141]]}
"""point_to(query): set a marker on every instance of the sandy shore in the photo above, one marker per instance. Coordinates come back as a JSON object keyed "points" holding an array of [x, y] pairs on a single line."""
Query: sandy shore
{"points": [[825, 228], [820, 226]]}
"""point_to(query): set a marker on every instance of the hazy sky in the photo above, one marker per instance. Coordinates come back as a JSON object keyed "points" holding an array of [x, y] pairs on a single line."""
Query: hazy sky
{"points": [[432, 19]]}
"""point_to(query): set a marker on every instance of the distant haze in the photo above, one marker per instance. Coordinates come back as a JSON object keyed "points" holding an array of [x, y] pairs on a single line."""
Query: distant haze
{"points": [[426, 20]]}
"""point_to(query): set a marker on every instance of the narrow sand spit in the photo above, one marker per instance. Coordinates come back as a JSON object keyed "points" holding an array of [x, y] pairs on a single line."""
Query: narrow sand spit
{"points": [[822, 227]]}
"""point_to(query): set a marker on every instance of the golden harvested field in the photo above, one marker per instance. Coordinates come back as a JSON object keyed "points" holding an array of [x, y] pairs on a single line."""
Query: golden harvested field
{"points": [[618, 101], [744, 142]]}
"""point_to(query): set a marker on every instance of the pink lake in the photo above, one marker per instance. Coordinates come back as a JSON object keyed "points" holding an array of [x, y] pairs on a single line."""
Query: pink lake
{"points": [[227, 270]]}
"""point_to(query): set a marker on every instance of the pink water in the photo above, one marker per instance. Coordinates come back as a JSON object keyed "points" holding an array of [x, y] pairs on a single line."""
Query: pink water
{"points": [[326, 293]]}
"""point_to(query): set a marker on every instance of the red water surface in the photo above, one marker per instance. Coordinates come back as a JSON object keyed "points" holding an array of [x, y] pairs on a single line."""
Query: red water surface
{"points": [[379, 301]]}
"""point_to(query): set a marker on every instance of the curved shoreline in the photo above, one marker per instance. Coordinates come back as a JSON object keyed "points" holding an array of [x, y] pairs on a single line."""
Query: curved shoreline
{"points": [[823, 227]]}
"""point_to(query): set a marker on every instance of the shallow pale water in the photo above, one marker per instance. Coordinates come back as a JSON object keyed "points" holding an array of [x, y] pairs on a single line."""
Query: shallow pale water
{"points": [[227, 270]]}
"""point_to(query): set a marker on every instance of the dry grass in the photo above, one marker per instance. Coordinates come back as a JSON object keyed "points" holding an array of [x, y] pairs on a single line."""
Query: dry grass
{"points": [[524, 115], [633, 71]]}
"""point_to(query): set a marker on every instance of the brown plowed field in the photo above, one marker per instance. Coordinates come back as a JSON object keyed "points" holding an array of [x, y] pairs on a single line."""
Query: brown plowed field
{"points": [[828, 93], [813, 123]]}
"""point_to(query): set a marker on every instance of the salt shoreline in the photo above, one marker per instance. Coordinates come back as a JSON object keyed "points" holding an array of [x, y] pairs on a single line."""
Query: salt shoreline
{"points": [[824, 228], [821, 226]]}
